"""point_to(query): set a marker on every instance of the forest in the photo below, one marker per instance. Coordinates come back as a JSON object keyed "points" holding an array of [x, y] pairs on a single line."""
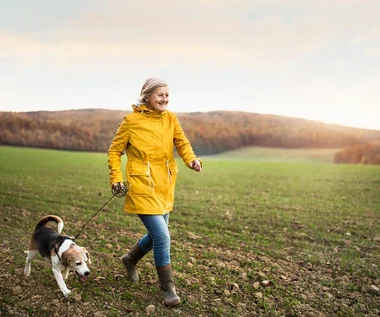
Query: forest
{"points": [[209, 132]]}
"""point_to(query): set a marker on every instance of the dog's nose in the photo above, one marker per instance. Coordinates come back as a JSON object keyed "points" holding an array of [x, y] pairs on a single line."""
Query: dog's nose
{"points": [[87, 273]]}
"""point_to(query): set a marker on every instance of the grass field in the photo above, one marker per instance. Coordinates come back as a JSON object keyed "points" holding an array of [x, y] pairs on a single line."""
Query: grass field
{"points": [[277, 155], [249, 238]]}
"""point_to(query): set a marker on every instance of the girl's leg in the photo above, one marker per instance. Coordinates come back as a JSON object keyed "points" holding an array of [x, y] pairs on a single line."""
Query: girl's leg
{"points": [[158, 235], [158, 238], [138, 251]]}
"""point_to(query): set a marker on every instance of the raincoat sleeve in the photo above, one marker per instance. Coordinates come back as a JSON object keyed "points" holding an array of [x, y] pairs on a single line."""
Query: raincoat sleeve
{"points": [[116, 150], [183, 145]]}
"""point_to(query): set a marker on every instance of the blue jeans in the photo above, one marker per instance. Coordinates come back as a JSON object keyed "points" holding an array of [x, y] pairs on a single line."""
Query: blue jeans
{"points": [[157, 238]]}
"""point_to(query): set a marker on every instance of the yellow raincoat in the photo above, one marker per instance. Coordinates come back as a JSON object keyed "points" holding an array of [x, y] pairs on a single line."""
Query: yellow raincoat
{"points": [[148, 138]]}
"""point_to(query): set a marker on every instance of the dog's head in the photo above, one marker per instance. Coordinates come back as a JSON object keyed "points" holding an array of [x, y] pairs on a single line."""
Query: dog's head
{"points": [[77, 259]]}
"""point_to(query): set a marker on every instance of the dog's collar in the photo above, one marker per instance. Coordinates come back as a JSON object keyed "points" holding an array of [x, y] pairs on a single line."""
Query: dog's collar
{"points": [[59, 244]]}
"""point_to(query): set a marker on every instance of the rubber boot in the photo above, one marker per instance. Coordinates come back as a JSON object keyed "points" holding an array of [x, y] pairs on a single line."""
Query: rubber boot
{"points": [[165, 276], [130, 260]]}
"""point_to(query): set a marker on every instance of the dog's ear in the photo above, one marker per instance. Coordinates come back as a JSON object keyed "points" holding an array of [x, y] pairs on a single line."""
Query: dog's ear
{"points": [[87, 255], [64, 258]]}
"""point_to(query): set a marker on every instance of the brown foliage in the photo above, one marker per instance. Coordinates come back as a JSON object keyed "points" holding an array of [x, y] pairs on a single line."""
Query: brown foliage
{"points": [[368, 153], [210, 133]]}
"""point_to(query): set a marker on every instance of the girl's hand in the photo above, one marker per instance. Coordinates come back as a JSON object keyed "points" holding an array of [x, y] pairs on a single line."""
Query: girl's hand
{"points": [[196, 165], [119, 189]]}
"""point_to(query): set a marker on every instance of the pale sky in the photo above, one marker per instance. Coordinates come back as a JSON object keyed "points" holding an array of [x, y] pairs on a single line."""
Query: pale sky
{"points": [[316, 59]]}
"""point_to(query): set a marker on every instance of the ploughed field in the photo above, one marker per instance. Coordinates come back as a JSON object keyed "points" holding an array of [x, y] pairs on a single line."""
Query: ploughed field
{"points": [[249, 237]]}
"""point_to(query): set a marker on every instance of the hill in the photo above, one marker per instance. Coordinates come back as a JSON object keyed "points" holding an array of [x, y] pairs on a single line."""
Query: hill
{"points": [[210, 132]]}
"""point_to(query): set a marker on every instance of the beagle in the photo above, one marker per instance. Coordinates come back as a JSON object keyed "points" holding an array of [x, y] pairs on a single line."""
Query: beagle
{"points": [[61, 251]]}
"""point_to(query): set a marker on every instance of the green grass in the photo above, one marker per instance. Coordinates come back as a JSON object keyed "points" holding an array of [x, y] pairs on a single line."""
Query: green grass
{"points": [[311, 229], [266, 154]]}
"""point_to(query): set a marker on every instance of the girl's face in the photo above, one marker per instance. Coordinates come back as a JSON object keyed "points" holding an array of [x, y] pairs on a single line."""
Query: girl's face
{"points": [[159, 100]]}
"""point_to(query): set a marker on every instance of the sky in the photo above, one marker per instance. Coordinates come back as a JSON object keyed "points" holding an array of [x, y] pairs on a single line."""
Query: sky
{"points": [[316, 59]]}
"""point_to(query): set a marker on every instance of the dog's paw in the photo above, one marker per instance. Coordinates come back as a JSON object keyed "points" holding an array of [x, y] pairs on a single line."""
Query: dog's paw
{"points": [[27, 271], [66, 292]]}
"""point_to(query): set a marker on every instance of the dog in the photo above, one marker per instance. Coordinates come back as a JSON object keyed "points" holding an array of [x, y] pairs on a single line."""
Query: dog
{"points": [[61, 251]]}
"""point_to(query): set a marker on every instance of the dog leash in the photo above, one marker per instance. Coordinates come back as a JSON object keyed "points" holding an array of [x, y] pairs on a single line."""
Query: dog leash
{"points": [[118, 192]]}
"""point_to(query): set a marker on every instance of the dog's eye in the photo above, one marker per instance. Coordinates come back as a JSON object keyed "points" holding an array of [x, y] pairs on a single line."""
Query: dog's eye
{"points": [[78, 263]]}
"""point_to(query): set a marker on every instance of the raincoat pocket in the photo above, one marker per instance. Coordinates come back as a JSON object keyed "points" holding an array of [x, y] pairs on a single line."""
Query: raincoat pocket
{"points": [[172, 169], [138, 181]]}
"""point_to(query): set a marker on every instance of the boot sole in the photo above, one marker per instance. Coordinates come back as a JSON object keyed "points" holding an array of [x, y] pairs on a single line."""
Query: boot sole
{"points": [[172, 304]]}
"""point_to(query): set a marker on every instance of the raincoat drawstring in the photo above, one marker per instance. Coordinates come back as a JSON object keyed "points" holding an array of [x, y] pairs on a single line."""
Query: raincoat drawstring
{"points": [[169, 174], [151, 183]]}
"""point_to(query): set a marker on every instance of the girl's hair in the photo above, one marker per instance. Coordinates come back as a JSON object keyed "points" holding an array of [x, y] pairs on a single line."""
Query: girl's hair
{"points": [[149, 86]]}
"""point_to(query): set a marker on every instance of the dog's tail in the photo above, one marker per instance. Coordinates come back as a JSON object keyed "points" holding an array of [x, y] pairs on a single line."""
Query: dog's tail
{"points": [[48, 218]]}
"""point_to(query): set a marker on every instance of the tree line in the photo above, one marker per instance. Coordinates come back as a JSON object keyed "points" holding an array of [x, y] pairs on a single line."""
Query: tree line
{"points": [[209, 132], [368, 153]]}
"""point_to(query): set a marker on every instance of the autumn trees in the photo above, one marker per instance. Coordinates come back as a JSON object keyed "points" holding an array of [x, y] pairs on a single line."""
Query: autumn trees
{"points": [[210, 132], [368, 153]]}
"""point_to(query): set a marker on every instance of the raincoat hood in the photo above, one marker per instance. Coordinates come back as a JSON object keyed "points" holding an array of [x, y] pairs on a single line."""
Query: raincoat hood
{"points": [[143, 108]]}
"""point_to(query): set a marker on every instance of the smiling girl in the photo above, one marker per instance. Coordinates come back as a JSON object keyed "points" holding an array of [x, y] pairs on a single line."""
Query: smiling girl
{"points": [[148, 136]]}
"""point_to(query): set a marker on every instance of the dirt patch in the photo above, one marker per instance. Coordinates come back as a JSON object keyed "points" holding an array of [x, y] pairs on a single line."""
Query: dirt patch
{"points": [[230, 283]]}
